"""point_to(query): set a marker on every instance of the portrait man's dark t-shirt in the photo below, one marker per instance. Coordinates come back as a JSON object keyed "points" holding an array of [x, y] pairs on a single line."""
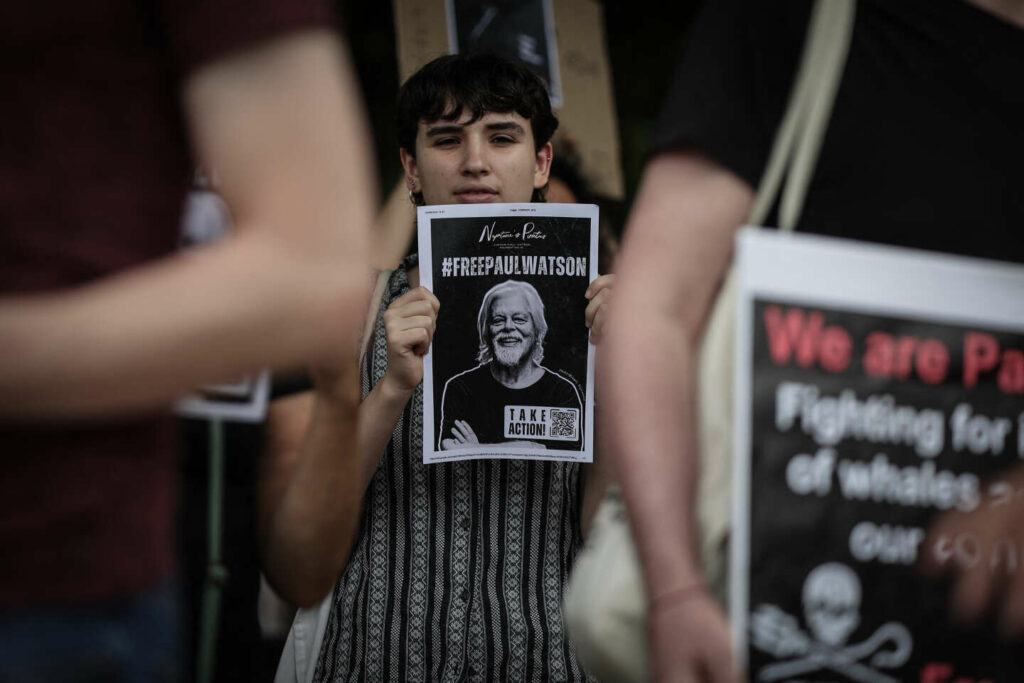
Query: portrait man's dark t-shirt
{"points": [[476, 398]]}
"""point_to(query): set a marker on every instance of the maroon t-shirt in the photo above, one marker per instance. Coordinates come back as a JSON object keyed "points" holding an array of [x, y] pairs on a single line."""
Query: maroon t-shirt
{"points": [[93, 167]]}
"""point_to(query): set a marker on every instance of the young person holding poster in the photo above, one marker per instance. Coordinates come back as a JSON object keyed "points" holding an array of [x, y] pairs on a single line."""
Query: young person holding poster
{"points": [[922, 150], [456, 569]]}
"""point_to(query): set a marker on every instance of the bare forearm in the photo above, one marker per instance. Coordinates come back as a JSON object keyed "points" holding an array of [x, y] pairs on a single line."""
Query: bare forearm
{"points": [[378, 414], [312, 492], [309, 523], [137, 340], [645, 391], [676, 251]]}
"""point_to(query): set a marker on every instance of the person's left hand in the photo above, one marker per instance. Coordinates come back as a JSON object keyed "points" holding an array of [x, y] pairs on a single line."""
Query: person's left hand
{"points": [[599, 294], [985, 580]]}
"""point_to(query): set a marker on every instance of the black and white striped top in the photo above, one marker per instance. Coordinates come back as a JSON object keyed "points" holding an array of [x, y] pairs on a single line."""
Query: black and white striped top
{"points": [[458, 570]]}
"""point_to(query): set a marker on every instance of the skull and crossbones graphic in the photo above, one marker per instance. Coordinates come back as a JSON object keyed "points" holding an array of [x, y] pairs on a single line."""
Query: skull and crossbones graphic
{"points": [[831, 598]]}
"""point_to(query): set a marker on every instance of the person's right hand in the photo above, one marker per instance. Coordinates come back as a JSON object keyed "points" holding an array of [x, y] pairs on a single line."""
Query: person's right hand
{"points": [[982, 585], [461, 435], [689, 641], [409, 323]]}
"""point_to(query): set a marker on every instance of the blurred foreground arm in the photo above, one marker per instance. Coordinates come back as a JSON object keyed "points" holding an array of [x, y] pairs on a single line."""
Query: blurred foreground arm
{"points": [[677, 247], [597, 475], [282, 126]]}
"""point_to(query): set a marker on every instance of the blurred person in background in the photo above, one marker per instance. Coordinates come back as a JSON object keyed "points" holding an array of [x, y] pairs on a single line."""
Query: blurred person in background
{"points": [[100, 328], [923, 150]]}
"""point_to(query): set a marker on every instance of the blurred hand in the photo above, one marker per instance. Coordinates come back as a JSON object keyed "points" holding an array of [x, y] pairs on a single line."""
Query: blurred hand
{"points": [[599, 293], [690, 641], [984, 580]]}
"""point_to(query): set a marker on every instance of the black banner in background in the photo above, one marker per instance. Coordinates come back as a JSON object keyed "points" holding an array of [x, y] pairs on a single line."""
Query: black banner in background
{"points": [[519, 30], [864, 429]]}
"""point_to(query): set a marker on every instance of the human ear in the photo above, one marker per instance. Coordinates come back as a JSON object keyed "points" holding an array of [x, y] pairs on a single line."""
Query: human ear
{"points": [[412, 171], [542, 166]]}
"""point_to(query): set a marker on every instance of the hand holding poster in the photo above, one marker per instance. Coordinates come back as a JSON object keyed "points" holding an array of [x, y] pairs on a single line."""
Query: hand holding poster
{"points": [[510, 370], [877, 389]]}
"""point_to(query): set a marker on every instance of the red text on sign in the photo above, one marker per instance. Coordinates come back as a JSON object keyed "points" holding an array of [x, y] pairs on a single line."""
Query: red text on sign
{"points": [[983, 355], [807, 339]]}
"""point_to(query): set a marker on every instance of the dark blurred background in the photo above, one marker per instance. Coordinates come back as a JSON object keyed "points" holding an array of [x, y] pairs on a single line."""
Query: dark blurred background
{"points": [[644, 39]]}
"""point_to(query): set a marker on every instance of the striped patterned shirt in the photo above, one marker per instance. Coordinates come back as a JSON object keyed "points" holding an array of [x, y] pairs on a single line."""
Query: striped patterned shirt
{"points": [[458, 570]]}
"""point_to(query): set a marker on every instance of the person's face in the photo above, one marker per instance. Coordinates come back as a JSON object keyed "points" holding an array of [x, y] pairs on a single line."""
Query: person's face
{"points": [[490, 160], [511, 330]]}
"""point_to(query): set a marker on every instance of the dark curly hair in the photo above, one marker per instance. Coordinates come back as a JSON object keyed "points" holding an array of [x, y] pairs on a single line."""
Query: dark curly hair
{"points": [[478, 83]]}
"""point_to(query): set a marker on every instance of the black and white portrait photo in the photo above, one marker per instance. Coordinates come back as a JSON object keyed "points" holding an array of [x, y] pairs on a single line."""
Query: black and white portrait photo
{"points": [[510, 370], [510, 396]]}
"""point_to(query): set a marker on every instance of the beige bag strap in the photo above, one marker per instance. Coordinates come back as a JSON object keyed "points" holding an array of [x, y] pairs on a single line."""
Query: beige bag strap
{"points": [[798, 140]]}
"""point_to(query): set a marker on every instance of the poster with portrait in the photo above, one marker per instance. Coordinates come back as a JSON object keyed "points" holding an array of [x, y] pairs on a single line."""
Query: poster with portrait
{"points": [[510, 371], [523, 30], [876, 389]]}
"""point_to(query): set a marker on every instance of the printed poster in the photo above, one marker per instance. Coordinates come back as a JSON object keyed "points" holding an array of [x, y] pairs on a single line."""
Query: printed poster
{"points": [[522, 30], [205, 220], [510, 371], [876, 388]]}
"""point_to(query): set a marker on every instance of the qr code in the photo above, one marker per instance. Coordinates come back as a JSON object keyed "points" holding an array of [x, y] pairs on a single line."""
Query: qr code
{"points": [[563, 423]]}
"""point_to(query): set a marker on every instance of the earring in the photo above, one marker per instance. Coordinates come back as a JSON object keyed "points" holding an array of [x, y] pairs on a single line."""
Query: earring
{"points": [[412, 198]]}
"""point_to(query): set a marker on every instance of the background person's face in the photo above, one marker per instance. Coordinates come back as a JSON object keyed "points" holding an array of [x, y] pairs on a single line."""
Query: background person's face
{"points": [[490, 160], [512, 332]]}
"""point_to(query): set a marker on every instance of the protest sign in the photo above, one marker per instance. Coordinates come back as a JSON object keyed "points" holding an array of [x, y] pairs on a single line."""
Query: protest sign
{"points": [[876, 389], [243, 400], [205, 220], [523, 31], [510, 371]]}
